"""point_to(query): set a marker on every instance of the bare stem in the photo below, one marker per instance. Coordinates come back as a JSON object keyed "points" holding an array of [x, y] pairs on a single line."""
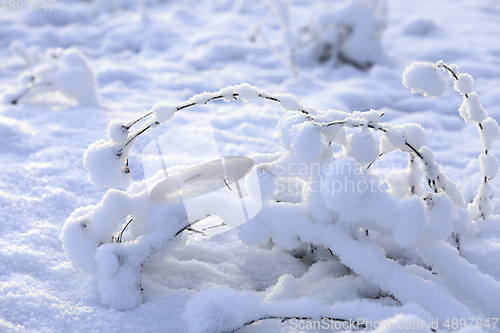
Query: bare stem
{"points": [[119, 238], [27, 90], [276, 99], [452, 73], [481, 211], [283, 319], [235, 97]]}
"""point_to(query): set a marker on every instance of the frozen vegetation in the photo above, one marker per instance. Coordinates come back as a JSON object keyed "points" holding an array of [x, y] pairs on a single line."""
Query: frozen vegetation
{"points": [[362, 150]]}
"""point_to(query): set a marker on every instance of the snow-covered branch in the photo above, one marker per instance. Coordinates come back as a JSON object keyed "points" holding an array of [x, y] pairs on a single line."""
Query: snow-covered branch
{"points": [[423, 77], [66, 71], [402, 218]]}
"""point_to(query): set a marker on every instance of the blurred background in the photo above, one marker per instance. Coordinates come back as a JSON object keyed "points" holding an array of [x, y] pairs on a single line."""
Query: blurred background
{"points": [[118, 58]]}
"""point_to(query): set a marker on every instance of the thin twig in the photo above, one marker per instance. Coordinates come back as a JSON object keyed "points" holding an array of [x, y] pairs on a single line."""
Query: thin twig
{"points": [[259, 27], [481, 211], [235, 96], [139, 119], [283, 319], [369, 165], [188, 226], [415, 151], [229, 187], [214, 226], [277, 100], [29, 89], [119, 238], [139, 133], [451, 72], [454, 76]]}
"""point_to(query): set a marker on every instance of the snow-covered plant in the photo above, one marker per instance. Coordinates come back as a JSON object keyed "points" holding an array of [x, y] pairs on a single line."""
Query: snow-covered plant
{"points": [[403, 240], [350, 32], [66, 71], [423, 77], [281, 9]]}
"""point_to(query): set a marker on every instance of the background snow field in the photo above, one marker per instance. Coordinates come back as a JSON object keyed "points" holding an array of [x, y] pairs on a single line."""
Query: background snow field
{"points": [[71, 78]]}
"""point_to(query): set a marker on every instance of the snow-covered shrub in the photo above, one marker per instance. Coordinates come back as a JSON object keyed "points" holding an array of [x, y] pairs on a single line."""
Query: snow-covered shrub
{"points": [[350, 33], [404, 240], [66, 71], [346, 32]]}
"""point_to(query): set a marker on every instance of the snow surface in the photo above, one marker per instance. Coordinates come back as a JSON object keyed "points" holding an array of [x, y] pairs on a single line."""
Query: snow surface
{"points": [[129, 60]]}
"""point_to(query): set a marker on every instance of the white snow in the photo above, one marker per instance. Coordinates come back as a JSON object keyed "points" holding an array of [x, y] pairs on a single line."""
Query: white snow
{"points": [[162, 112], [489, 165], [423, 77], [489, 132], [306, 140], [464, 83], [473, 108], [104, 161], [333, 238], [362, 147], [117, 132]]}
